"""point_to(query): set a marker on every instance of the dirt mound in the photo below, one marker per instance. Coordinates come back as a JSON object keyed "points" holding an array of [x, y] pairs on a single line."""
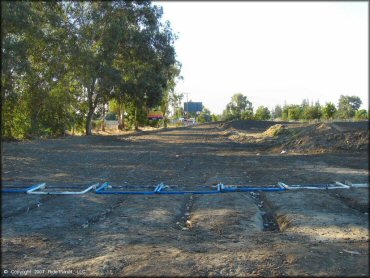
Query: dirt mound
{"points": [[275, 130], [324, 137], [348, 126], [251, 131], [239, 136], [249, 125], [300, 137]]}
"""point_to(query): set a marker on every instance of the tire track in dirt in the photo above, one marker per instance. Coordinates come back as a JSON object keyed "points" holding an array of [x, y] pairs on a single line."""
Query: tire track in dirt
{"points": [[268, 215], [351, 202], [26, 206], [320, 218]]}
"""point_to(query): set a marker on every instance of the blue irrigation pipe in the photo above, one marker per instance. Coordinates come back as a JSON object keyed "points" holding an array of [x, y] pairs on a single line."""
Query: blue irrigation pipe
{"points": [[247, 189], [159, 187], [23, 190], [104, 185], [191, 191]]}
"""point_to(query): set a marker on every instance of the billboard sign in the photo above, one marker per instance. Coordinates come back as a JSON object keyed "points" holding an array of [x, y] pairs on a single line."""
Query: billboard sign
{"points": [[155, 115], [193, 106]]}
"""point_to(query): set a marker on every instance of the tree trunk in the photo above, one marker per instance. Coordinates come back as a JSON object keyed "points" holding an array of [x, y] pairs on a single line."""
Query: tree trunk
{"points": [[120, 126], [34, 125], [92, 105], [136, 123], [89, 122], [164, 114], [121, 118], [164, 121], [34, 121], [103, 120]]}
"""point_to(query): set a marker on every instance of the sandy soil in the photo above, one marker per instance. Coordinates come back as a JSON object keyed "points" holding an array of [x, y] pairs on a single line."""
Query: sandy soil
{"points": [[295, 233]]}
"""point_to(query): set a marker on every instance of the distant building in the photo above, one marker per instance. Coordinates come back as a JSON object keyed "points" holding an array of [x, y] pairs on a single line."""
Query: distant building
{"points": [[193, 106], [155, 115]]}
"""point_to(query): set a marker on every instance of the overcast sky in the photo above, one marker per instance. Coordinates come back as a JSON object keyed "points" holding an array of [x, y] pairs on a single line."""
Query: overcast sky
{"points": [[271, 52]]}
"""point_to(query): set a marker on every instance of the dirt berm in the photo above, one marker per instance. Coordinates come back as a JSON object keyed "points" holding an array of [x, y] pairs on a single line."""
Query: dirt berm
{"points": [[301, 137]]}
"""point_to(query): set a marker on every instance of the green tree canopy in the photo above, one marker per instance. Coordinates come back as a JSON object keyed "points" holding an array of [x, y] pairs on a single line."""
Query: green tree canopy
{"points": [[311, 112], [347, 106], [204, 116], [277, 113], [328, 111], [295, 112], [262, 113], [239, 108], [361, 114], [62, 62]]}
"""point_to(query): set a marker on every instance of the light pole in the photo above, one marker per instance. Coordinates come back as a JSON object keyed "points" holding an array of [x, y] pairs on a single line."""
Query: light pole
{"points": [[187, 104]]}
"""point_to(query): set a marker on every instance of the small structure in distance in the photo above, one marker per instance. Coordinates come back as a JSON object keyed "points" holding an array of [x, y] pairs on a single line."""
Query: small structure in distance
{"points": [[155, 115], [193, 106]]}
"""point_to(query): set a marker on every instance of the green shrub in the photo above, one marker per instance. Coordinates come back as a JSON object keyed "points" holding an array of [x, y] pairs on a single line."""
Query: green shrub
{"points": [[361, 115], [96, 124]]}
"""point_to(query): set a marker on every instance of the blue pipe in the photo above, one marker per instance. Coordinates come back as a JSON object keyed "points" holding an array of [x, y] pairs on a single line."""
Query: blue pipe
{"points": [[191, 192], [247, 189], [158, 190], [14, 190], [158, 187], [104, 185], [23, 190], [188, 192]]}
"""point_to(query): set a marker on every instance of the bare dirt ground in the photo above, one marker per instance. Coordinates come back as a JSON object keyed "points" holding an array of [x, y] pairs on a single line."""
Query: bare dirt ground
{"points": [[289, 233]]}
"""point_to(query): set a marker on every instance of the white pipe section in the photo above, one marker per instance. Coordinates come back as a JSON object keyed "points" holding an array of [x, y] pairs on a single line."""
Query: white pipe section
{"points": [[341, 185], [360, 185], [356, 184], [297, 186], [62, 192], [281, 185], [39, 186]]}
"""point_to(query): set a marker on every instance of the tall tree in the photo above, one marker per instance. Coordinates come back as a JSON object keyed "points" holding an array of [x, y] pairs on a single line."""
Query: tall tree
{"points": [[204, 116], [147, 62], [294, 112], [347, 106], [277, 112], [240, 108], [169, 96], [93, 59], [63, 60], [34, 68], [328, 111], [311, 112], [262, 113]]}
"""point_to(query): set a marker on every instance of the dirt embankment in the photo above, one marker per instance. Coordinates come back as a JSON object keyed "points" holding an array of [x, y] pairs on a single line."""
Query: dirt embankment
{"points": [[301, 137]]}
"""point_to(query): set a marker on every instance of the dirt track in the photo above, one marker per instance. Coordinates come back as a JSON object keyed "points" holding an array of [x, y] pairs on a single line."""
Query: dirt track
{"points": [[314, 233]]}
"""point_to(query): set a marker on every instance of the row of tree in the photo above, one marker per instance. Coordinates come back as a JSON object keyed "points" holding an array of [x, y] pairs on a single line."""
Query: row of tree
{"points": [[62, 62], [240, 108]]}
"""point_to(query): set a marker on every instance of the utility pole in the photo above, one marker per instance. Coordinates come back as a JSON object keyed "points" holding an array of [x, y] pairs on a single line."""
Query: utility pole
{"points": [[187, 104]]}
